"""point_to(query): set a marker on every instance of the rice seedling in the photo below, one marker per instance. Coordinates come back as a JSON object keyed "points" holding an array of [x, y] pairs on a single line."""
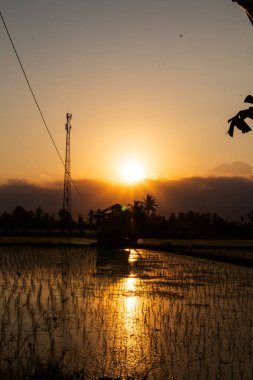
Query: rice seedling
{"points": [[82, 313]]}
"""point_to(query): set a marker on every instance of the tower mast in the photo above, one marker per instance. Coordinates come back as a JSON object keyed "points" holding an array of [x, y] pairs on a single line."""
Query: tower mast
{"points": [[67, 176]]}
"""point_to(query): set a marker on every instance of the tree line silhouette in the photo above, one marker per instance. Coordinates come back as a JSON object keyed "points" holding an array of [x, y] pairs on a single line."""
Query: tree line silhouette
{"points": [[22, 222], [139, 219]]}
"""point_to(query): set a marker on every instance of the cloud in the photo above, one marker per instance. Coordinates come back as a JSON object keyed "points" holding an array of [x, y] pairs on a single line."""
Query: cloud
{"points": [[229, 197], [18, 192]]}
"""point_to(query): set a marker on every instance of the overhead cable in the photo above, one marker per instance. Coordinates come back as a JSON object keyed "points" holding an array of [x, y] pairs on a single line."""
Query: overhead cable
{"points": [[35, 99]]}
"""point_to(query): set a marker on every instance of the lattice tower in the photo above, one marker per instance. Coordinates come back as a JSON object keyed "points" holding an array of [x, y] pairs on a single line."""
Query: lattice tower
{"points": [[67, 176]]}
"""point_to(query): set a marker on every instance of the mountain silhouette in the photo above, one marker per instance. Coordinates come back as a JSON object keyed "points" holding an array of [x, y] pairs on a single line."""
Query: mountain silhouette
{"points": [[237, 168]]}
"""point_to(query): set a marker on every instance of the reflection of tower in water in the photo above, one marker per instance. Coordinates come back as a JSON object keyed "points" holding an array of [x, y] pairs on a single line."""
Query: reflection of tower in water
{"points": [[64, 288]]}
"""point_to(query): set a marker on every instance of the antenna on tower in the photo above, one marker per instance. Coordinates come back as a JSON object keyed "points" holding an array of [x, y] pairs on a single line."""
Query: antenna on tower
{"points": [[67, 176]]}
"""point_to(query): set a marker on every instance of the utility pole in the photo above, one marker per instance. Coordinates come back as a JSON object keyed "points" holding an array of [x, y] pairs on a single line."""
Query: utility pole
{"points": [[67, 176]]}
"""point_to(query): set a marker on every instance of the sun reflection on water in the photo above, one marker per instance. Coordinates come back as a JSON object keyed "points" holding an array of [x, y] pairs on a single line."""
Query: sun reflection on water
{"points": [[131, 300], [130, 283], [133, 255], [131, 304], [131, 287], [129, 311]]}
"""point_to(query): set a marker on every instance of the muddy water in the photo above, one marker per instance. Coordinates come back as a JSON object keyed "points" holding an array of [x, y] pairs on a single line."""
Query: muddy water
{"points": [[126, 313]]}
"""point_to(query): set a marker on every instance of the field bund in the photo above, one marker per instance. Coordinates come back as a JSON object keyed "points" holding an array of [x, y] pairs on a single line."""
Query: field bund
{"points": [[234, 251]]}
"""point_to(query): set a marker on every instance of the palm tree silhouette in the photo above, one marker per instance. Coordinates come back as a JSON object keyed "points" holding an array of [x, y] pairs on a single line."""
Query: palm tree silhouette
{"points": [[137, 209], [137, 215], [39, 213], [149, 205], [91, 215]]}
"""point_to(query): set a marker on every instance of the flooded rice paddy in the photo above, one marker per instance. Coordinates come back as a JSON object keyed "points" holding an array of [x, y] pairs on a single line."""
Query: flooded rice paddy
{"points": [[135, 313]]}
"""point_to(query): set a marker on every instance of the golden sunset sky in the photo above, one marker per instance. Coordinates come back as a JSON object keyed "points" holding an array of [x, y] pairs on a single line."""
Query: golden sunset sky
{"points": [[148, 80]]}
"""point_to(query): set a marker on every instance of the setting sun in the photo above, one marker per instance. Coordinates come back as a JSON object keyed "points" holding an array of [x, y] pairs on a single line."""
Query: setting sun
{"points": [[132, 171]]}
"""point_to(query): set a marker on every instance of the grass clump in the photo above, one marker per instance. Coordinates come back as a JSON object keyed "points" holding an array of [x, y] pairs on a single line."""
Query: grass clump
{"points": [[30, 369]]}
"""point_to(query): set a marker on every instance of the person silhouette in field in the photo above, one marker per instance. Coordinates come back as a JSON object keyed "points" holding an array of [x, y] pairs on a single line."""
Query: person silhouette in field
{"points": [[247, 5], [238, 120]]}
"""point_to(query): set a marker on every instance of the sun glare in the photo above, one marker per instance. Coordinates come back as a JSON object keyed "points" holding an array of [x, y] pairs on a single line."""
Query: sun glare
{"points": [[132, 171]]}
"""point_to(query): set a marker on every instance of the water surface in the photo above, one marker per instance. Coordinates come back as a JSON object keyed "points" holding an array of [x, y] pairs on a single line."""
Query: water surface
{"points": [[126, 313]]}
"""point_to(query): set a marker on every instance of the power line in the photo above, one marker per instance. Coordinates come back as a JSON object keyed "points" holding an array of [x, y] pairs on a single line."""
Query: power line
{"points": [[31, 90], [35, 99]]}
